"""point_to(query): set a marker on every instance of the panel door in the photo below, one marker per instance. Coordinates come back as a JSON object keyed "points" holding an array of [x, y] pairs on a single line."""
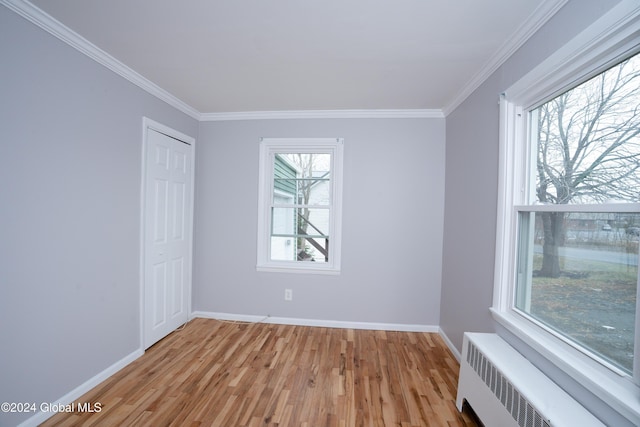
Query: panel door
{"points": [[167, 252]]}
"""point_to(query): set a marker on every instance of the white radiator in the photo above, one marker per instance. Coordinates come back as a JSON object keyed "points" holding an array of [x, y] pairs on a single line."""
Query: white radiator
{"points": [[504, 389]]}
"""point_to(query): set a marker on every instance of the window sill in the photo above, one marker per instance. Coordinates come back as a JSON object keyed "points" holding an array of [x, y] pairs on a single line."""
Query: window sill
{"points": [[617, 391], [297, 269]]}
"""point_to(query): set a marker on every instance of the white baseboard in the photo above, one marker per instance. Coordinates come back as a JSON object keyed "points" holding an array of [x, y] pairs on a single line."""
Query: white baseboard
{"points": [[452, 347], [74, 394], [316, 322]]}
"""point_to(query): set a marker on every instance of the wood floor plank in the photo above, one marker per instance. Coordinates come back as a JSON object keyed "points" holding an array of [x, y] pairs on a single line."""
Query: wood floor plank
{"points": [[215, 373]]}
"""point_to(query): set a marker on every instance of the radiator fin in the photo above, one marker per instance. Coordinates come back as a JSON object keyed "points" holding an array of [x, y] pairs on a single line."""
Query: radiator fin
{"points": [[509, 396]]}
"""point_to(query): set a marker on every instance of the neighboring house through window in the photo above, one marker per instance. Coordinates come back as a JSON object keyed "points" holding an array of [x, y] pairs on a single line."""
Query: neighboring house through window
{"points": [[300, 205]]}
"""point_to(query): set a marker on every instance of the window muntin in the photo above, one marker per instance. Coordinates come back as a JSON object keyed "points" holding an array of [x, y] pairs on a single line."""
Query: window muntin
{"points": [[299, 227], [576, 269]]}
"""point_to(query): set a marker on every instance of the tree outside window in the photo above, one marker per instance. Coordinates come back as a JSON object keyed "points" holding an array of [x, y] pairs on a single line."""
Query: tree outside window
{"points": [[578, 261]]}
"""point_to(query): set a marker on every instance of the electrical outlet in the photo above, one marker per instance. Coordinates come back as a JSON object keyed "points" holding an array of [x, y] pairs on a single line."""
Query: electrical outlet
{"points": [[288, 295]]}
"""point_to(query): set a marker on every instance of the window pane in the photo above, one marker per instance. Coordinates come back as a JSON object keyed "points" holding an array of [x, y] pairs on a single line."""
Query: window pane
{"points": [[304, 191], [283, 249], [284, 221], [301, 221], [302, 249], [588, 140], [578, 274], [302, 178], [300, 234]]}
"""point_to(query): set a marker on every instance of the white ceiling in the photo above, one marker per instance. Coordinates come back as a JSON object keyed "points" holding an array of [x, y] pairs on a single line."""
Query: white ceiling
{"points": [[288, 55]]}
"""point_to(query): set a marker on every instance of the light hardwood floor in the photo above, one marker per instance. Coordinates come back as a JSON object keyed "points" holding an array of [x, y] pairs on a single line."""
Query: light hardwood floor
{"points": [[214, 373]]}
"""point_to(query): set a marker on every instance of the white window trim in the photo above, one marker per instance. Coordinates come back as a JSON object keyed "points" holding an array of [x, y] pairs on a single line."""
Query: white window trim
{"points": [[592, 51], [268, 148]]}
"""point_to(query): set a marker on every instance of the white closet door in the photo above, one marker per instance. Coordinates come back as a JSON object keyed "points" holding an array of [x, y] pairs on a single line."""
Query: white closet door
{"points": [[167, 225]]}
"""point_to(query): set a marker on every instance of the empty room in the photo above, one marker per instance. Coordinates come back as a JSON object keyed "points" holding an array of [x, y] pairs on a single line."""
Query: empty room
{"points": [[305, 213]]}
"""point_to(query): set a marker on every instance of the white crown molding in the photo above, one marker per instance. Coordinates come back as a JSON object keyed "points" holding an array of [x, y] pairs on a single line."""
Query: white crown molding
{"points": [[324, 114], [40, 18], [43, 20], [540, 16]]}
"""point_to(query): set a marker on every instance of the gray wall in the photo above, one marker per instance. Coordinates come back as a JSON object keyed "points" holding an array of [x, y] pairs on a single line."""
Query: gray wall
{"points": [[471, 194], [472, 176], [392, 223], [69, 214]]}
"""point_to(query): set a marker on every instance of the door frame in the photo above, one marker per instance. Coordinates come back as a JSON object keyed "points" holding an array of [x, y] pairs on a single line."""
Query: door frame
{"points": [[149, 124]]}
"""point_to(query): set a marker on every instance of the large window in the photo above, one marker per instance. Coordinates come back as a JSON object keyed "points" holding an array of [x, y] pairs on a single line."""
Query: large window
{"points": [[569, 210], [578, 226], [300, 198]]}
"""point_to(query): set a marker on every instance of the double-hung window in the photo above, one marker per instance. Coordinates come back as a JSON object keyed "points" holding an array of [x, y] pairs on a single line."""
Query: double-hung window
{"points": [[300, 205], [566, 278]]}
